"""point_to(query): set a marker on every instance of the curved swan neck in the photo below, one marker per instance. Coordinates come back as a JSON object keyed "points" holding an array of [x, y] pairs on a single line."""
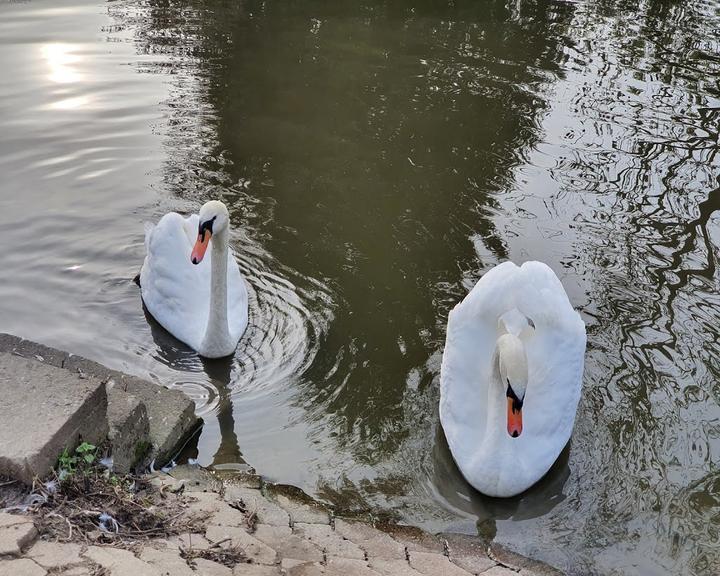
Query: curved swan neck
{"points": [[217, 335]]}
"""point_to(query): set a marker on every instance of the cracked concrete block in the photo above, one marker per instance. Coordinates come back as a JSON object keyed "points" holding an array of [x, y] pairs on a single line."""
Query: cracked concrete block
{"points": [[128, 430], [71, 409]]}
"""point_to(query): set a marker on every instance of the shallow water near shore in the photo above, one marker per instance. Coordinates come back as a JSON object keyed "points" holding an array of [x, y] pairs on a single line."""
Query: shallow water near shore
{"points": [[377, 158]]}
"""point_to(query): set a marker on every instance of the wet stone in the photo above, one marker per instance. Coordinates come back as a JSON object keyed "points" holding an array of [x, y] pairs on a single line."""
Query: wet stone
{"points": [[433, 564], [254, 549], [287, 544], [299, 506], [254, 502], [326, 538]]}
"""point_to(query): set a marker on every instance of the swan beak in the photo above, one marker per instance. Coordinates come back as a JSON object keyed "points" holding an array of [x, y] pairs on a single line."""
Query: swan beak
{"points": [[198, 252], [514, 419]]}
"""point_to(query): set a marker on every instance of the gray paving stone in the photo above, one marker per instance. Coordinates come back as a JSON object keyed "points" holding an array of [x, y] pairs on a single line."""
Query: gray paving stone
{"points": [[189, 541], [16, 535], [267, 512], [7, 519], [541, 569], [209, 568], [256, 570], [499, 571], [54, 554], [254, 549], [375, 543], [330, 541], [434, 564], [348, 567], [70, 408], [387, 567], [287, 544], [414, 538], [21, 567], [168, 561], [306, 569], [120, 562]]}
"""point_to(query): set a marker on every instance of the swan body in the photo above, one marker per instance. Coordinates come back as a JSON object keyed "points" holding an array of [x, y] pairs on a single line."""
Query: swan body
{"points": [[511, 377], [199, 298]]}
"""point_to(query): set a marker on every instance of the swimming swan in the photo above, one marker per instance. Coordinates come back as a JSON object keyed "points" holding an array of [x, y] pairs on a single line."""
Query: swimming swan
{"points": [[510, 377], [200, 300]]}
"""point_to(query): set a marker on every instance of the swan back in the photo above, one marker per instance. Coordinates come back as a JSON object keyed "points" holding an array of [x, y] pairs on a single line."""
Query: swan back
{"points": [[177, 292], [471, 394]]}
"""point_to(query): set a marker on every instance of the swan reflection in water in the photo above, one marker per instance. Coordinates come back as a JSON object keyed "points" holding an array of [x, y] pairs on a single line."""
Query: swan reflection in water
{"points": [[458, 495], [210, 389]]}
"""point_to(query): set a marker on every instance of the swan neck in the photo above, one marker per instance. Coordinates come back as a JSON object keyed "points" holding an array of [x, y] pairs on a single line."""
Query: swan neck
{"points": [[217, 334]]}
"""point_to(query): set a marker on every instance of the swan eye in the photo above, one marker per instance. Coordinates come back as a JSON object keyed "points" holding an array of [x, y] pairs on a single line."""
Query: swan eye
{"points": [[206, 226]]}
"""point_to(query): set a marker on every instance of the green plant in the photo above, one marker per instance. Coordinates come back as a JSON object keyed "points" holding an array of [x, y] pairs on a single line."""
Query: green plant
{"points": [[83, 457]]}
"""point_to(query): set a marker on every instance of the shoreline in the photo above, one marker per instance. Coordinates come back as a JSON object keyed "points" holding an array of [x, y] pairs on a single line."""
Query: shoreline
{"points": [[299, 535]]}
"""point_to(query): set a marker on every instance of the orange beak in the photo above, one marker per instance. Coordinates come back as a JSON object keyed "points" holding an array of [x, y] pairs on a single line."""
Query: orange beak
{"points": [[198, 251], [514, 419]]}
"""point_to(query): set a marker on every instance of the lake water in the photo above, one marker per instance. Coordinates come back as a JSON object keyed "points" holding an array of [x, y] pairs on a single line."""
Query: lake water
{"points": [[377, 158]]}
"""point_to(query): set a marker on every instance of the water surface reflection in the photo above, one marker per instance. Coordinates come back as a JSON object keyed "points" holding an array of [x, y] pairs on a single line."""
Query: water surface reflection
{"points": [[377, 158]]}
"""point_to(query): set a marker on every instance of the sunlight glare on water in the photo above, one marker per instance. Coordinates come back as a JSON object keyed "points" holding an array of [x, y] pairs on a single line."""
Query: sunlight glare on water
{"points": [[377, 158]]}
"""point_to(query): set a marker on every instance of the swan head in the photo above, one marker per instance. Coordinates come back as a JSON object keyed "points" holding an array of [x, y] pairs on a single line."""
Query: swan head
{"points": [[513, 368], [214, 218]]}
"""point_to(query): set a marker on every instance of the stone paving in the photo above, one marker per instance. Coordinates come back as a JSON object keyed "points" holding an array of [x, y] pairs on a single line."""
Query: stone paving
{"points": [[279, 533]]}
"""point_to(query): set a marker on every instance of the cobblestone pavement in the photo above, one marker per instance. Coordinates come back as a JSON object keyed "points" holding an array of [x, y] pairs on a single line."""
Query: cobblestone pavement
{"points": [[279, 533]]}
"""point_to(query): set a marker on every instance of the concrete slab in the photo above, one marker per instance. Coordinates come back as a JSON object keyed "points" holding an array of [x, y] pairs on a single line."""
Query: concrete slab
{"points": [[171, 414], [45, 409]]}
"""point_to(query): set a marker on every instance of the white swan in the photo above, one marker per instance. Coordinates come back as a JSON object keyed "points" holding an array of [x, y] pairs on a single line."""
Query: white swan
{"points": [[510, 378], [200, 300]]}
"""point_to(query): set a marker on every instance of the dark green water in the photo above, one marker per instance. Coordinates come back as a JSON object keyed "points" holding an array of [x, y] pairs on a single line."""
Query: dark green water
{"points": [[377, 158]]}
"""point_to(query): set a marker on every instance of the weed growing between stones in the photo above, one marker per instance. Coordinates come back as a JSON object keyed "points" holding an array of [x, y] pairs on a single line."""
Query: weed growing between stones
{"points": [[83, 501]]}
